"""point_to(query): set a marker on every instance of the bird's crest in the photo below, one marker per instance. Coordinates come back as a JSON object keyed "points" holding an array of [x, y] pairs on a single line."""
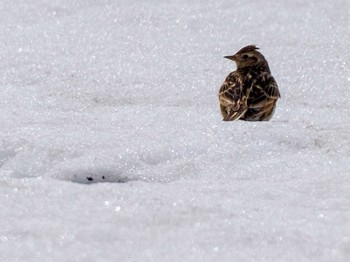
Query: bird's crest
{"points": [[248, 48]]}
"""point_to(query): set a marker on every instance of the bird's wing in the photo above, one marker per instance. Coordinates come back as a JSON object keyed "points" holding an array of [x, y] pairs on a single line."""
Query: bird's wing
{"points": [[263, 90], [232, 98]]}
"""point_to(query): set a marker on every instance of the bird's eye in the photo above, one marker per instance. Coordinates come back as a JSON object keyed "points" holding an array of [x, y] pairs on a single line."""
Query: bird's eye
{"points": [[245, 56]]}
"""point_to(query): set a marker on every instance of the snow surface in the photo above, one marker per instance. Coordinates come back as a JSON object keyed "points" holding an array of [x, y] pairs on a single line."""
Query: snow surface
{"points": [[125, 92]]}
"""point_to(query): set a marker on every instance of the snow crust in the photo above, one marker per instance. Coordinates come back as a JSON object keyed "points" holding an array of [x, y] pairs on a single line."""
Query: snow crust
{"points": [[112, 147]]}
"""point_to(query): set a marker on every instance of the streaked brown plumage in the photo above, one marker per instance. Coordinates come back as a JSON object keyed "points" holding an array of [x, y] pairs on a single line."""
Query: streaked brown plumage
{"points": [[250, 93]]}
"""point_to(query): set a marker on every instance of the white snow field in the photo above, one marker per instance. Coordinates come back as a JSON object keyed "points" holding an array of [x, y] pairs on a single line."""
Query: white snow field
{"points": [[113, 147]]}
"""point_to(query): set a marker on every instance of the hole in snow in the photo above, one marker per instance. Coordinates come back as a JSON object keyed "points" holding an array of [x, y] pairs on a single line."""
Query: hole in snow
{"points": [[89, 178], [96, 175]]}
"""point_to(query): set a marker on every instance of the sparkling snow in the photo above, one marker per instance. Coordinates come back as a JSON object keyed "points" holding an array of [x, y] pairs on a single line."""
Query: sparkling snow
{"points": [[112, 145]]}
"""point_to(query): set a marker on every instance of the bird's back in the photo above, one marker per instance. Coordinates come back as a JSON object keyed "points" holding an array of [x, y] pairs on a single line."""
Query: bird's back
{"points": [[248, 94], [262, 98]]}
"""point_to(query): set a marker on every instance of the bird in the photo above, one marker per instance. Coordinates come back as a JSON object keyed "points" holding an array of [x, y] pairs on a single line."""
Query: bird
{"points": [[250, 93]]}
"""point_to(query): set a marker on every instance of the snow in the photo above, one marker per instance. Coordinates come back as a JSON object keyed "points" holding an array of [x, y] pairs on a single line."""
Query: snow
{"points": [[113, 148]]}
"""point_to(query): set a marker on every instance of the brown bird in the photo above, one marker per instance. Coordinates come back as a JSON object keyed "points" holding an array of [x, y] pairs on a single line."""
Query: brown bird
{"points": [[250, 93]]}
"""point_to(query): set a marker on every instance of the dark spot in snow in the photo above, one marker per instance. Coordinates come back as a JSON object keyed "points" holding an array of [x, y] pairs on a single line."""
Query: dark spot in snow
{"points": [[89, 178]]}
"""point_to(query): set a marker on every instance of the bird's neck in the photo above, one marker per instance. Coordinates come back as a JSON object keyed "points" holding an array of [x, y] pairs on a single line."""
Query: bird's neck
{"points": [[258, 68]]}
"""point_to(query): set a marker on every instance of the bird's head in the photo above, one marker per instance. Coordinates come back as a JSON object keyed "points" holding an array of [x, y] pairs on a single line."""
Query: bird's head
{"points": [[247, 56]]}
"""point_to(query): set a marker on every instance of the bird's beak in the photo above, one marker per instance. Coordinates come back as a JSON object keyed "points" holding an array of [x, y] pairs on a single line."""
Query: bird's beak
{"points": [[231, 57]]}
